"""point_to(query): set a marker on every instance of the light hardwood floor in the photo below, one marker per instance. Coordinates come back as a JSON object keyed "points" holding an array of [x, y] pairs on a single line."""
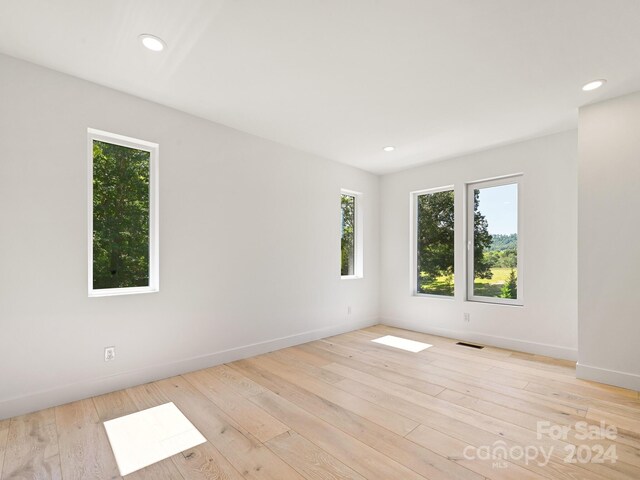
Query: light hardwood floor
{"points": [[347, 408]]}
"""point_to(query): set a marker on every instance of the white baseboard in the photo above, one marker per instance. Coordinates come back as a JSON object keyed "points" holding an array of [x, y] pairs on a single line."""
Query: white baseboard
{"points": [[555, 351], [610, 377], [35, 401]]}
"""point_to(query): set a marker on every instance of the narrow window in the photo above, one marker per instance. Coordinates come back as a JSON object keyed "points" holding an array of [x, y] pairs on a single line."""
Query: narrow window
{"points": [[494, 247], [123, 239], [433, 268], [351, 255]]}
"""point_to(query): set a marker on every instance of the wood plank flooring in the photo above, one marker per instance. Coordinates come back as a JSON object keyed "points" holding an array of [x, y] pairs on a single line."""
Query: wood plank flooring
{"points": [[347, 408]]}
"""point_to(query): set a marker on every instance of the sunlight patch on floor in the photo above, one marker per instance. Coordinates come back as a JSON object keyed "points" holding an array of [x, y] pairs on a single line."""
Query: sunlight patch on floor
{"points": [[146, 437], [402, 343]]}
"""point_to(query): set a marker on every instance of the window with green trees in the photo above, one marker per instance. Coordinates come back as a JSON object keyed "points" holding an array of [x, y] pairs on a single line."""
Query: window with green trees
{"points": [[435, 252], [348, 238], [123, 248], [493, 260]]}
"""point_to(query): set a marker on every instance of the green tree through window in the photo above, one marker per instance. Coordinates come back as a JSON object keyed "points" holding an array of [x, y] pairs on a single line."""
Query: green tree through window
{"points": [[482, 241], [435, 243], [120, 216], [347, 243]]}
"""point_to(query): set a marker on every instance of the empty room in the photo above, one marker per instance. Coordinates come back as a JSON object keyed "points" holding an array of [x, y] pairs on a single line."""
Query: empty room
{"points": [[319, 239]]}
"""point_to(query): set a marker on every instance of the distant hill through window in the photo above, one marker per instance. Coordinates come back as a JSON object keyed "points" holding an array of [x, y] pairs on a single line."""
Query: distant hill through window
{"points": [[504, 242]]}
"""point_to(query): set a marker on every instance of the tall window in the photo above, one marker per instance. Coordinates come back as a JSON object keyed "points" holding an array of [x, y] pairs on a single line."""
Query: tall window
{"points": [[494, 249], [351, 255], [434, 242], [123, 228]]}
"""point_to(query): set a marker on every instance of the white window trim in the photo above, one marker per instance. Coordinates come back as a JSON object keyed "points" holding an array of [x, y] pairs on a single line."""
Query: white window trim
{"points": [[470, 187], [154, 237], [358, 256], [413, 241]]}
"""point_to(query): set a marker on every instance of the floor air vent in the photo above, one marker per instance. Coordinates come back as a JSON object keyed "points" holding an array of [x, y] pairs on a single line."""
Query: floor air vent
{"points": [[464, 344]]}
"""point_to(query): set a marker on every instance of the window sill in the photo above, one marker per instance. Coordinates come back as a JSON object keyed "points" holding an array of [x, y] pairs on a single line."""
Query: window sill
{"points": [[113, 292], [428, 295], [493, 302], [351, 277]]}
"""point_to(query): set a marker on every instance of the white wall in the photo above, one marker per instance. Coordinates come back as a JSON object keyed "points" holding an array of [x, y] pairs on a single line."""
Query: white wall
{"points": [[608, 254], [249, 234], [547, 323]]}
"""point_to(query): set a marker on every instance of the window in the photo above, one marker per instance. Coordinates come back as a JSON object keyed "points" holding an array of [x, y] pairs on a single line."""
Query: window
{"points": [[433, 266], [351, 257], [123, 225], [494, 243]]}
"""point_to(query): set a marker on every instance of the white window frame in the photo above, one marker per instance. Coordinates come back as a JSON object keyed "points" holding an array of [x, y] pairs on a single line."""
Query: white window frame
{"points": [[496, 182], [358, 254], [413, 240], [154, 238]]}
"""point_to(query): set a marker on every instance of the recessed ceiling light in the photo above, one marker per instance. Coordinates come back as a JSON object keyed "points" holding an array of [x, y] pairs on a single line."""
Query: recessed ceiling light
{"points": [[152, 42], [389, 148], [593, 85]]}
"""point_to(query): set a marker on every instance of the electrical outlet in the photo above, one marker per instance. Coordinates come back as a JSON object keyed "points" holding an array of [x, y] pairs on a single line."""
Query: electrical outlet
{"points": [[467, 317], [349, 310], [109, 353]]}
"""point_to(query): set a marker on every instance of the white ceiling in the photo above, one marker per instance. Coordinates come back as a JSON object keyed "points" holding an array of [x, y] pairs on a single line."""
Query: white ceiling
{"points": [[343, 78]]}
